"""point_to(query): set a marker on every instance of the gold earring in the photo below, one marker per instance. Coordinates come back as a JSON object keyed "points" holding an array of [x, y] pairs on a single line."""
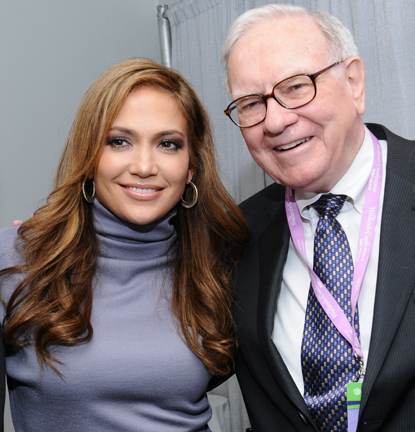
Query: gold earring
{"points": [[90, 198], [195, 197]]}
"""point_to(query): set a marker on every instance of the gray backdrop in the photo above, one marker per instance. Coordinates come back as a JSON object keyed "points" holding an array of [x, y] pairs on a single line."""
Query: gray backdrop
{"points": [[50, 53]]}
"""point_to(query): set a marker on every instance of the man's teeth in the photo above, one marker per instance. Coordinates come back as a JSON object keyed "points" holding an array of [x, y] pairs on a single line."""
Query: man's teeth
{"points": [[141, 190], [294, 144]]}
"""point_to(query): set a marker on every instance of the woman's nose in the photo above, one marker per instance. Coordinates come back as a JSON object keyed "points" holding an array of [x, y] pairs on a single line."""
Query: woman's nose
{"points": [[143, 162]]}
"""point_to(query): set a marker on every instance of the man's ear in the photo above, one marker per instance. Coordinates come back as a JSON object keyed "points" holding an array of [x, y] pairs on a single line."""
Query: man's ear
{"points": [[355, 75]]}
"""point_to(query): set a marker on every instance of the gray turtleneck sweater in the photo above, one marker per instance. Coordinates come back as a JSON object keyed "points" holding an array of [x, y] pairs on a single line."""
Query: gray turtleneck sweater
{"points": [[136, 373]]}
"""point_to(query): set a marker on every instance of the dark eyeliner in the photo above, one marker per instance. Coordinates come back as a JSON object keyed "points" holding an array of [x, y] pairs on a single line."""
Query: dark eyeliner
{"points": [[112, 140], [177, 144]]}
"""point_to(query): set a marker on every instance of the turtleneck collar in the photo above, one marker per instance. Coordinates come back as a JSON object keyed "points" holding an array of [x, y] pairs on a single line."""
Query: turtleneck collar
{"points": [[121, 239]]}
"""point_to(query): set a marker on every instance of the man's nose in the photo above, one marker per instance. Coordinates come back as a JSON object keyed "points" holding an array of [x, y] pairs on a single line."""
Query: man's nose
{"points": [[278, 118]]}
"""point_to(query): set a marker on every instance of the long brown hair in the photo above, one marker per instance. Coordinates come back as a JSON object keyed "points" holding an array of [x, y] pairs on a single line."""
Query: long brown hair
{"points": [[52, 304]]}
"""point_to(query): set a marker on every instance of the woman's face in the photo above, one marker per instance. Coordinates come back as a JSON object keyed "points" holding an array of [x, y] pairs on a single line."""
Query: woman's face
{"points": [[144, 167]]}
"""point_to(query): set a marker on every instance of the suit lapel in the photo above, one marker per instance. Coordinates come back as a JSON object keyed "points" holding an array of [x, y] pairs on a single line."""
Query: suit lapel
{"points": [[273, 249]]}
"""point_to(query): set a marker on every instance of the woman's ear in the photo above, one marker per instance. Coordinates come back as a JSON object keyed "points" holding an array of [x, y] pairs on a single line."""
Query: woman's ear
{"points": [[190, 175]]}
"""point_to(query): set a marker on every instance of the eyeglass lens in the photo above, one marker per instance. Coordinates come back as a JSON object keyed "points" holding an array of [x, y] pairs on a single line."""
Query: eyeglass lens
{"points": [[290, 93]]}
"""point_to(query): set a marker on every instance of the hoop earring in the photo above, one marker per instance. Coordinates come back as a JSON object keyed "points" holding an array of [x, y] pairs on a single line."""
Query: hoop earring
{"points": [[90, 198], [195, 197]]}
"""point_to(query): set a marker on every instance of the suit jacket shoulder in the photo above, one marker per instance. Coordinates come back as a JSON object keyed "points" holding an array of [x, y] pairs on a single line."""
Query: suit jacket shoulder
{"points": [[401, 152], [261, 208]]}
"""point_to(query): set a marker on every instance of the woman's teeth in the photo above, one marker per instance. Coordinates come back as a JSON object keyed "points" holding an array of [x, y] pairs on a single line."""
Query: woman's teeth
{"points": [[141, 190]]}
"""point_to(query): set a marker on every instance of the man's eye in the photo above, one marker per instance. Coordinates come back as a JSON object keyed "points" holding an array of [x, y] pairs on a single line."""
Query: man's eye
{"points": [[296, 87], [250, 104]]}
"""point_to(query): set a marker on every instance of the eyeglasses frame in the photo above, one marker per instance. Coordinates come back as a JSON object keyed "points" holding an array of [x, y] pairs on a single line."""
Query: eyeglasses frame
{"points": [[271, 95]]}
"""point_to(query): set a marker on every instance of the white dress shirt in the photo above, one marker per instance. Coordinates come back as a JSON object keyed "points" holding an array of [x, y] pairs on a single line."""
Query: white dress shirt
{"points": [[292, 301]]}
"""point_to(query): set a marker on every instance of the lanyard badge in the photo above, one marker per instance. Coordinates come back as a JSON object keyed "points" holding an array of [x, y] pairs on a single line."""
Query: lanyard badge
{"points": [[328, 303]]}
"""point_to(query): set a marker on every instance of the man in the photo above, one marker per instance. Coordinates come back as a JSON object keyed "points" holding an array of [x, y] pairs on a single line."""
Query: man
{"points": [[297, 87]]}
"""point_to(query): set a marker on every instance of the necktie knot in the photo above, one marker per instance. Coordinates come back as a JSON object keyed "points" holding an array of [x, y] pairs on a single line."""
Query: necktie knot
{"points": [[329, 205]]}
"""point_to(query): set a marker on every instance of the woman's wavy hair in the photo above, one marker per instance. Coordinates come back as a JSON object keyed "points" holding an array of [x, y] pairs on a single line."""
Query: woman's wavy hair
{"points": [[52, 304]]}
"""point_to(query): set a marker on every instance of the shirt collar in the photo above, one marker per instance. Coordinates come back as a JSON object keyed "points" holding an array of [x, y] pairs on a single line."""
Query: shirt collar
{"points": [[353, 183]]}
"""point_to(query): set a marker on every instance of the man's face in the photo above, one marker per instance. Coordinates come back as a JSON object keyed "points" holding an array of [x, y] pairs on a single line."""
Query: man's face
{"points": [[308, 148]]}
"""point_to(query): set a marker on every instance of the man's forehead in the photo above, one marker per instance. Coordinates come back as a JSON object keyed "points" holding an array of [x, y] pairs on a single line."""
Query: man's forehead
{"points": [[274, 50], [284, 35]]}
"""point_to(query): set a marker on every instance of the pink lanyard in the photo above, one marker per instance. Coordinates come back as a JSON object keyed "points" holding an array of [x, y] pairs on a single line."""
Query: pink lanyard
{"points": [[366, 235]]}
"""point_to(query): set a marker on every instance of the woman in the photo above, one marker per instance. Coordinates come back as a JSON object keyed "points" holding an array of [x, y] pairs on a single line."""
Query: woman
{"points": [[117, 292]]}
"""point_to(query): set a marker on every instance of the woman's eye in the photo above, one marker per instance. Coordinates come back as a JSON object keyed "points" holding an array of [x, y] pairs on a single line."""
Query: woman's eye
{"points": [[170, 145], [117, 142]]}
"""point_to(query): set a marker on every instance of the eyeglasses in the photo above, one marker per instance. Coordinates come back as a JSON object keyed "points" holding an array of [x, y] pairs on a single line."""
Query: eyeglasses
{"points": [[293, 92]]}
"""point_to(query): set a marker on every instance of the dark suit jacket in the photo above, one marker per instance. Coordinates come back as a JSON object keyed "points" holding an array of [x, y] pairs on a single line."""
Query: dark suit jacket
{"points": [[273, 401]]}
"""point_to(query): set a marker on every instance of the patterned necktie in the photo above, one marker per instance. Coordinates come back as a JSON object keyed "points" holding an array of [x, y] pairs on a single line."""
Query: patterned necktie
{"points": [[327, 359]]}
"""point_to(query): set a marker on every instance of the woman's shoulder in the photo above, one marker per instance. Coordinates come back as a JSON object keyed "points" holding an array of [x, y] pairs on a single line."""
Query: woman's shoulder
{"points": [[9, 252]]}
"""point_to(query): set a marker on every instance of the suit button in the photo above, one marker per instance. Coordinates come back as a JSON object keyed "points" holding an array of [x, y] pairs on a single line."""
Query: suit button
{"points": [[303, 417]]}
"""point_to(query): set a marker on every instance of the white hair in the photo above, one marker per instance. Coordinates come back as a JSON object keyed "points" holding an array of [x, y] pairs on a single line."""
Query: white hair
{"points": [[341, 45]]}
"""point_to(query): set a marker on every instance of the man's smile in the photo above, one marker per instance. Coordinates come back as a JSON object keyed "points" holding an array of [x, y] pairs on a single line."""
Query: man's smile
{"points": [[292, 145]]}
